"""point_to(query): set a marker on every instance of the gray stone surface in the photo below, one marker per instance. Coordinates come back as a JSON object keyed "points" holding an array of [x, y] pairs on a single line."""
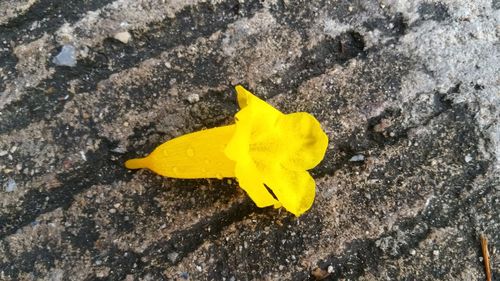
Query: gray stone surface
{"points": [[412, 86]]}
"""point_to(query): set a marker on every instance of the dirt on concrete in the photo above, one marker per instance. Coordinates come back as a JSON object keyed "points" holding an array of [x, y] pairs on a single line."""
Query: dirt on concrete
{"points": [[407, 91]]}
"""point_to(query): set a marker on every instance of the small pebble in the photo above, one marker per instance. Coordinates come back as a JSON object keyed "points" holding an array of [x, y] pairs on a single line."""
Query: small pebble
{"points": [[330, 269], [435, 253], [3, 153], [357, 158], [413, 252], [112, 211], [82, 154], [193, 98], [172, 256], [67, 56], [11, 185], [468, 158], [123, 37], [119, 149]]}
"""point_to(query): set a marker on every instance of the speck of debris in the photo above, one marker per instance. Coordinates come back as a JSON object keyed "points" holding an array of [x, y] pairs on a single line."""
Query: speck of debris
{"points": [[67, 56], [172, 256], [11, 185], [357, 158], [123, 37], [319, 273], [193, 98], [468, 158], [119, 149], [82, 153]]}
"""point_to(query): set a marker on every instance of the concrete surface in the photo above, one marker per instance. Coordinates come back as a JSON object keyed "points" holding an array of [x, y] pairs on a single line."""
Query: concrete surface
{"points": [[408, 92]]}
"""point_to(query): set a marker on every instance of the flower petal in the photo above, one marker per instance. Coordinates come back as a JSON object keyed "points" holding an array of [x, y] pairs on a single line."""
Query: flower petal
{"points": [[254, 122], [295, 190], [275, 150], [245, 98], [250, 180], [303, 142]]}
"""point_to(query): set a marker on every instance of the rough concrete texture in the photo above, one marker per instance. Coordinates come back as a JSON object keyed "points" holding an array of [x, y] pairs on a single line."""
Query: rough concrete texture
{"points": [[408, 92]]}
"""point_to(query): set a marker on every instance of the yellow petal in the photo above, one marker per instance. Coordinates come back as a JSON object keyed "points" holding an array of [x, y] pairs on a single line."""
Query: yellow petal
{"points": [[239, 142], [249, 179], [245, 98], [277, 150], [296, 141], [195, 155], [303, 142], [295, 190], [254, 122]]}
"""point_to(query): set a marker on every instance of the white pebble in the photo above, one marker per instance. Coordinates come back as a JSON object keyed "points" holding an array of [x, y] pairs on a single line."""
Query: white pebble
{"points": [[173, 256], [123, 37], [192, 98], [82, 154], [468, 158], [357, 158], [11, 185], [67, 56]]}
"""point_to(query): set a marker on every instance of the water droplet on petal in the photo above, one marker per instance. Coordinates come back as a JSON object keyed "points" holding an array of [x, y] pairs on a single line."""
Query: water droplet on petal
{"points": [[175, 170], [190, 152]]}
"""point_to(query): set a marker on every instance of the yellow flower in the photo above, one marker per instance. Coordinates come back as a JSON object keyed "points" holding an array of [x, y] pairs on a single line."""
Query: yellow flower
{"points": [[267, 151]]}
